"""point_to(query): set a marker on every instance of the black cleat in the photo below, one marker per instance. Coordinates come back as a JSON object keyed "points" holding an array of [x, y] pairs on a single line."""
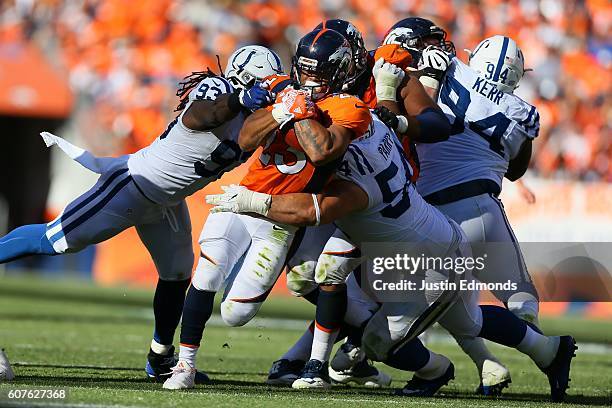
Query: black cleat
{"points": [[159, 367], [492, 390], [559, 370], [418, 387], [284, 371]]}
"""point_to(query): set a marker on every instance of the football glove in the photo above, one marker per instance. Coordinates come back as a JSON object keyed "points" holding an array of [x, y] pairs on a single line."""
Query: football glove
{"points": [[292, 104], [255, 97], [433, 65], [239, 199], [388, 78], [398, 123]]}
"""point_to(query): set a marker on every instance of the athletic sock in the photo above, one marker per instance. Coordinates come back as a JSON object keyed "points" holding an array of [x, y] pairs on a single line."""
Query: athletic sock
{"points": [[356, 334], [542, 349], [158, 348], [476, 349], [167, 307], [25, 240], [503, 327], [412, 356], [312, 297], [188, 353], [301, 349], [198, 309], [435, 367], [331, 307]]}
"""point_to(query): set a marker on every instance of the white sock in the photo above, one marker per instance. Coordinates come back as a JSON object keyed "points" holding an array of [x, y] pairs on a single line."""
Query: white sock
{"points": [[477, 350], [188, 354], [160, 348], [542, 349], [322, 344], [435, 367], [301, 349]]}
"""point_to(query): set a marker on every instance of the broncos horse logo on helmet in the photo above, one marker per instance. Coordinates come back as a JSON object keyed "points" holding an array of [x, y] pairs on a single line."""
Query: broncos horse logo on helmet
{"points": [[355, 40], [322, 62], [415, 34]]}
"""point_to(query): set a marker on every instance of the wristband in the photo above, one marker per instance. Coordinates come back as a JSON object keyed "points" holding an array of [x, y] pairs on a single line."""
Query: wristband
{"points": [[385, 93], [402, 125], [317, 210]]}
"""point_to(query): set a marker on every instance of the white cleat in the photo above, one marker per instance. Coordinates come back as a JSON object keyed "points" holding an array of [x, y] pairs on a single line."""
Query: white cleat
{"points": [[6, 372], [347, 357], [495, 377], [362, 374], [183, 377]]}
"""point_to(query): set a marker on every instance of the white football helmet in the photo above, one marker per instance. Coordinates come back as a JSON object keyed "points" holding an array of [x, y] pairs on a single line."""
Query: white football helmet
{"points": [[500, 60], [251, 63]]}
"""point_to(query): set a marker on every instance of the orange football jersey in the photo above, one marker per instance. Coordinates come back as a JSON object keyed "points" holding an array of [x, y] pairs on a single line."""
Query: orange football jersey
{"points": [[284, 167]]}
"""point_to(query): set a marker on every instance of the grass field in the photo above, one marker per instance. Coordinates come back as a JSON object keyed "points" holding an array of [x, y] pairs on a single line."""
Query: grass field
{"points": [[93, 342]]}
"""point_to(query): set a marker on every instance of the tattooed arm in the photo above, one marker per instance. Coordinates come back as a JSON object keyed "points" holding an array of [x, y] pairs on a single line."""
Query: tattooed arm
{"points": [[205, 115], [322, 145]]}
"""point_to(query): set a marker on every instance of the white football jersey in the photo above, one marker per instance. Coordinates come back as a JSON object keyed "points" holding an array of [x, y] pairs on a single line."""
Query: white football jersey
{"points": [[488, 129], [396, 212], [181, 161]]}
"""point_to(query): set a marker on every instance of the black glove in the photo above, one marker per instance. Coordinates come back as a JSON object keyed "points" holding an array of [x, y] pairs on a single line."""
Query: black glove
{"points": [[388, 118]]}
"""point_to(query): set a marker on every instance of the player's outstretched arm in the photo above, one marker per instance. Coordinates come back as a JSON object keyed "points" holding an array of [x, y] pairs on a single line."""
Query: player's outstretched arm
{"points": [[322, 145], [518, 166], [339, 199], [209, 113]]}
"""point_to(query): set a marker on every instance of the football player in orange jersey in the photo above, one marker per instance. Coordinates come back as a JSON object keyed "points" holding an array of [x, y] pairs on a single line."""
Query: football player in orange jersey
{"points": [[303, 133], [376, 79]]}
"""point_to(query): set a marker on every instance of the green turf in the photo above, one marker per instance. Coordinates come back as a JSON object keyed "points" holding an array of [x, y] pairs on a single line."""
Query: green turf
{"points": [[93, 342]]}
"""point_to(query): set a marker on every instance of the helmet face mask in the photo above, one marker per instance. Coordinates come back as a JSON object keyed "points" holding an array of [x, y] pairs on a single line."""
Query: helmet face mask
{"points": [[322, 62], [500, 61], [250, 64], [415, 34]]}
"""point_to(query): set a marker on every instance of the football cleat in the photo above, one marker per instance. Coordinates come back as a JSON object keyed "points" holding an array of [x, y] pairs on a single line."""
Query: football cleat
{"points": [[159, 366], [347, 356], [418, 387], [6, 371], [284, 371], [495, 377], [314, 375], [362, 373], [559, 370], [183, 377]]}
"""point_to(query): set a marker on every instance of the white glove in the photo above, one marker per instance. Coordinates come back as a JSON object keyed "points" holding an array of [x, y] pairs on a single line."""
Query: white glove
{"points": [[281, 114], [239, 199], [388, 77], [433, 65]]}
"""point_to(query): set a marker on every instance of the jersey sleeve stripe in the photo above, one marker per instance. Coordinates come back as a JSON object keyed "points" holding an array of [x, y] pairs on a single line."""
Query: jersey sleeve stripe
{"points": [[528, 119], [365, 161], [500, 62]]}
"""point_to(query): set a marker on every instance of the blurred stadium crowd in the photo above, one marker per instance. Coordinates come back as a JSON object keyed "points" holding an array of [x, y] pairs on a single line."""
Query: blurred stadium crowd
{"points": [[125, 57]]}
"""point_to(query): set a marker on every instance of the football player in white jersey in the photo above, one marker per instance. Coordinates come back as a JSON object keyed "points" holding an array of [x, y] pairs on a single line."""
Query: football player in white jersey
{"points": [[492, 132], [147, 189], [373, 200]]}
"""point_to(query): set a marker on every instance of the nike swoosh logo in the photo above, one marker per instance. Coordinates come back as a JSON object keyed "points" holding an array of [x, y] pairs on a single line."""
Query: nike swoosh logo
{"points": [[361, 106], [277, 228]]}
